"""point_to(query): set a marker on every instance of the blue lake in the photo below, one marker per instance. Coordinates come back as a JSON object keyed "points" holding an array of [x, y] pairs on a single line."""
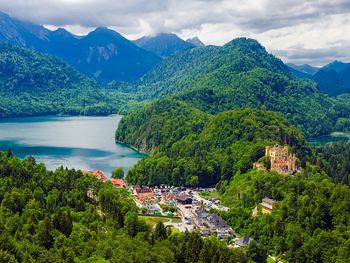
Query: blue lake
{"points": [[85, 143]]}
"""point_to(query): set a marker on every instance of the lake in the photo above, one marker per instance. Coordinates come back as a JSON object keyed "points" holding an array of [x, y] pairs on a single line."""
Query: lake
{"points": [[333, 137], [85, 143]]}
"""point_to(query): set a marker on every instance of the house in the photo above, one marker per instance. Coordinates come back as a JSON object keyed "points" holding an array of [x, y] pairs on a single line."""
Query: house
{"points": [[119, 183], [144, 194], [244, 241], [267, 205], [98, 174], [184, 199]]}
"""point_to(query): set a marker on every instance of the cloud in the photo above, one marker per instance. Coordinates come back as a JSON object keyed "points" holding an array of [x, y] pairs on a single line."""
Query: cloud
{"points": [[284, 27]]}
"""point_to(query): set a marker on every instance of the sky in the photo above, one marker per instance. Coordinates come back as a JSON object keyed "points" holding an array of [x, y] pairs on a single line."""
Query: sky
{"points": [[312, 31]]}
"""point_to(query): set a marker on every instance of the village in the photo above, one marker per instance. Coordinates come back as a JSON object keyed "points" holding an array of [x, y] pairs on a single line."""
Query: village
{"points": [[188, 209]]}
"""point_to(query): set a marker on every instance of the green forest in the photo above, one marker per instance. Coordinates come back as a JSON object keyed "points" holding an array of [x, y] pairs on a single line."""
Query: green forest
{"points": [[64, 216]]}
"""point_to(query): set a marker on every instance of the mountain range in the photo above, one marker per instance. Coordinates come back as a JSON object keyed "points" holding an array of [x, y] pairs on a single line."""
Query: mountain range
{"points": [[241, 74], [333, 79], [102, 54]]}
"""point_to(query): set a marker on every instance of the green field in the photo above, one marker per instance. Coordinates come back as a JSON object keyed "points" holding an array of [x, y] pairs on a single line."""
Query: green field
{"points": [[208, 195], [152, 220]]}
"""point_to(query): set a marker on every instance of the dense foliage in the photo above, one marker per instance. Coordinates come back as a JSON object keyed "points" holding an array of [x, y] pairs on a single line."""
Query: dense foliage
{"points": [[64, 216], [32, 83], [311, 222], [335, 160], [225, 144], [241, 74]]}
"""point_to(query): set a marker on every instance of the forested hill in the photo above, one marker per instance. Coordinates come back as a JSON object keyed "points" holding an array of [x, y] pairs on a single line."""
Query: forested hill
{"points": [[242, 74], [64, 216], [158, 125], [210, 148], [211, 65], [32, 83]]}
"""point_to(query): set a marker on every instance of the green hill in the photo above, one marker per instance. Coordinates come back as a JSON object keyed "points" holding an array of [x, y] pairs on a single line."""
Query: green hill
{"points": [[210, 148], [240, 74], [33, 83]]}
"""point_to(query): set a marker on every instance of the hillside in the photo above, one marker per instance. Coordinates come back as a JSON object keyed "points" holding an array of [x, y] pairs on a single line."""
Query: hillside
{"points": [[241, 74], [33, 83], [164, 44], [309, 223], [227, 143], [102, 54]]}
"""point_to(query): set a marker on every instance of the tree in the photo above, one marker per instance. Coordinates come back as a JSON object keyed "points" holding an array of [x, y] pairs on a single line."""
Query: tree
{"points": [[131, 223], [118, 173], [159, 232]]}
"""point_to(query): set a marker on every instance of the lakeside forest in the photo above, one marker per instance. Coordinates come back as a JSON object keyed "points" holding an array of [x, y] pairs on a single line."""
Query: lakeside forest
{"points": [[204, 116]]}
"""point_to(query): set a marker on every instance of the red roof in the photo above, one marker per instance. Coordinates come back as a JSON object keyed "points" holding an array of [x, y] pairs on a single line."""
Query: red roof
{"points": [[119, 182]]}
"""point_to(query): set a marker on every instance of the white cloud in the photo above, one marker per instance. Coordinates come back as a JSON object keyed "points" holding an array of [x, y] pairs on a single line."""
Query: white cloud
{"points": [[284, 27]]}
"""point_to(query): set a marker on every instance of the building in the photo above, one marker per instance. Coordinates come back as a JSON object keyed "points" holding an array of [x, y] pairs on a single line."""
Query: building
{"points": [[144, 194], [98, 174], [244, 241], [280, 159], [184, 199], [119, 183], [267, 205]]}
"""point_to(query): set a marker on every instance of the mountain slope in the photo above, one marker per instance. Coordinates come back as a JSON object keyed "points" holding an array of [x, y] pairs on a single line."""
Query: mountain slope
{"points": [[32, 83], [163, 44], [241, 74], [102, 54]]}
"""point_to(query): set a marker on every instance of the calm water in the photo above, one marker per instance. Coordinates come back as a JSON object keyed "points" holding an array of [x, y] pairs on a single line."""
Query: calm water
{"points": [[74, 142], [333, 137]]}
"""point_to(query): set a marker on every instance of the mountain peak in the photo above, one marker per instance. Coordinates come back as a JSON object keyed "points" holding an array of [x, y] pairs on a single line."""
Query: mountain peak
{"points": [[195, 41], [163, 44]]}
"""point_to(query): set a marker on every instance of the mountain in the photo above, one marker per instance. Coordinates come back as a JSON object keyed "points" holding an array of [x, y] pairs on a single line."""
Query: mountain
{"points": [[307, 69], [337, 66], [241, 74], [195, 41], [164, 44], [102, 54], [33, 83], [334, 78]]}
